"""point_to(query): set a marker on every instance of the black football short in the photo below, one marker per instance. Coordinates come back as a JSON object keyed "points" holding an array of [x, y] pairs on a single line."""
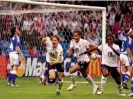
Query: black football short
{"points": [[112, 70], [59, 67], [84, 65]]}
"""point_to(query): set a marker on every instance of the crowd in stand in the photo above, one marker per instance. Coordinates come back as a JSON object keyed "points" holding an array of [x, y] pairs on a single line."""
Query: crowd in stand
{"points": [[34, 26]]}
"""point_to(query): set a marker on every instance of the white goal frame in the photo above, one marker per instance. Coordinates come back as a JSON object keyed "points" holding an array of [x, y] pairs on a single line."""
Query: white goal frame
{"points": [[103, 9]]}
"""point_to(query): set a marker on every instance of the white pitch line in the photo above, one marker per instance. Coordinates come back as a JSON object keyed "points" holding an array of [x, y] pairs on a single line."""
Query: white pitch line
{"points": [[47, 93], [80, 82]]}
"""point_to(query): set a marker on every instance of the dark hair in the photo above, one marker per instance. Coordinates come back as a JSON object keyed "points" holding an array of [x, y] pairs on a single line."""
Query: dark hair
{"points": [[109, 35], [78, 32], [13, 30], [56, 36]]}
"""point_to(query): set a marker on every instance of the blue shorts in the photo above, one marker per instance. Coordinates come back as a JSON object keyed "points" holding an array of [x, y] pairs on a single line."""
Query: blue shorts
{"points": [[46, 74]]}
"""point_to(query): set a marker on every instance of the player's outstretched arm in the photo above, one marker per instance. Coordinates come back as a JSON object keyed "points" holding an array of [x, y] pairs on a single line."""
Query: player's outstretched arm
{"points": [[90, 50], [45, 38], [115, 51], [69, 51]]}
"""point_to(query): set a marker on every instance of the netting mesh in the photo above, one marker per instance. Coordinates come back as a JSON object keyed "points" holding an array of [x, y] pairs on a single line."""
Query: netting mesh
{"points": [[38, 21]]}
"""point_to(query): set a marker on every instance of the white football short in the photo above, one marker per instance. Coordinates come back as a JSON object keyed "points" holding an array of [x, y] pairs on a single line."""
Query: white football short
{"points": [[14, 59], [125, 59]]}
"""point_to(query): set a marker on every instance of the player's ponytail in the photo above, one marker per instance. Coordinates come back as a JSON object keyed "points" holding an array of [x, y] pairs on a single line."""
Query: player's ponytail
{"points": [[13, 30]]}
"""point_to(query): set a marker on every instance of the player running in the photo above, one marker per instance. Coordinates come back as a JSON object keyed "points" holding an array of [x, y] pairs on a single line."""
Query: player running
{"points": [[54, 59], [14, 55], [126, 57], [110, 53], [79, 46]]}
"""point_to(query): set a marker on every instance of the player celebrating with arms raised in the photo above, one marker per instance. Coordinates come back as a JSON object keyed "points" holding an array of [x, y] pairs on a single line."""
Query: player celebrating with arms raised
{"points": [[14, 52], [54, 58], [126, 57], [79, 46]]}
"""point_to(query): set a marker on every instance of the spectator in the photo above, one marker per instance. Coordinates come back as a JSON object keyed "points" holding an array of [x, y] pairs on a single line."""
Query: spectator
{"points": [[27, 24], [74, 25], [111, 18], [4, 45], [121, 34], [115, 29], [93, 39], [128, 19], [33, 52]]}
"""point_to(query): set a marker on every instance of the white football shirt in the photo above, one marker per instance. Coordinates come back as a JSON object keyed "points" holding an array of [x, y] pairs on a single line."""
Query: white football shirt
{"points": [[79, 48], [109, 56], [53, 53]]}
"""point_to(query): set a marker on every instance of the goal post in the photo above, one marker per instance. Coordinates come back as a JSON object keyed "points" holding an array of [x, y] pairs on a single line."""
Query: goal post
{"points": [[46, 19]]}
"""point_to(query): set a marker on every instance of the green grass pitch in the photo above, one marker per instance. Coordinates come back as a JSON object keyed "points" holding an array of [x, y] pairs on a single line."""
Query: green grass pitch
{"points": [[29, 88]]}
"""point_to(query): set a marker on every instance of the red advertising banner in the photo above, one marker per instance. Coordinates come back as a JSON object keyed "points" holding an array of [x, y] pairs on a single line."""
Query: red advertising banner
{"points": [[3, 66], [33, 67]]}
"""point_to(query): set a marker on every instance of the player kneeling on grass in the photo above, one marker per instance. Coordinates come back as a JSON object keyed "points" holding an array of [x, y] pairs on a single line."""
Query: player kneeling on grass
{"points": [[79, 45], [14, 55], [54, 59], [110, 53], [44, 78]]}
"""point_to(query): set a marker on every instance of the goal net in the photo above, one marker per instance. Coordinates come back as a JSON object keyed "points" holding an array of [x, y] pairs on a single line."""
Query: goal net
{"points": [[40, 19]]}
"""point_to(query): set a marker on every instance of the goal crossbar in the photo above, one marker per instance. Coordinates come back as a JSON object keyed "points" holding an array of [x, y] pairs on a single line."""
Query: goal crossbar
{"points": [[56, 4]]}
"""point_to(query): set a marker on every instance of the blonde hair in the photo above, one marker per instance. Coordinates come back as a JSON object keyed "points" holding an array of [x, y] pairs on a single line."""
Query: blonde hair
{"points": [[57, 37]]}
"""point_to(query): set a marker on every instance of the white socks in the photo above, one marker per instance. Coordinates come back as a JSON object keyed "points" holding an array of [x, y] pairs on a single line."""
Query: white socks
{"points": [[91, 81], [103, 82], [73, 78], [60, 83]]}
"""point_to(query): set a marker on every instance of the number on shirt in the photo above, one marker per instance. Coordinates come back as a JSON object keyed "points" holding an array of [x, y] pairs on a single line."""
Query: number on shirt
{"points": [[53, 54], [110, 54], [11, 46], [122, 48]]}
